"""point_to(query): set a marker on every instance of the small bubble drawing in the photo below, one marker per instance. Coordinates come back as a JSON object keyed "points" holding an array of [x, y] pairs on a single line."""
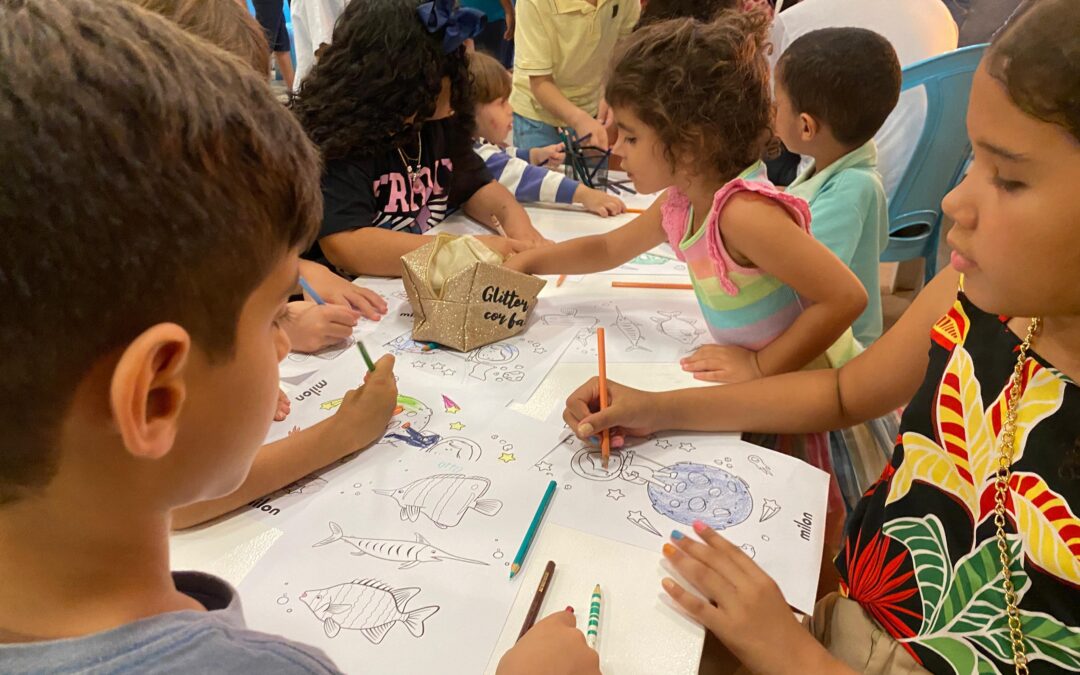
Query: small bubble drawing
{"points": [[283, 600], [498, 554], [765, 537]]}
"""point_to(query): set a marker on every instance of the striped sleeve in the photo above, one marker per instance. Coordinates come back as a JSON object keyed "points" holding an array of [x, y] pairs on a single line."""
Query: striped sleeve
{"points": [[528, 183]]}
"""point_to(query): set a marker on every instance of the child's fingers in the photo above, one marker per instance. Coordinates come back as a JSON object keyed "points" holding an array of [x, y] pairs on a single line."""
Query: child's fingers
{"points": [[337, 332], [703, 612], [713, 376], [340, 314], [365, 297], [736, 555], [698, 565], [580, 402]]}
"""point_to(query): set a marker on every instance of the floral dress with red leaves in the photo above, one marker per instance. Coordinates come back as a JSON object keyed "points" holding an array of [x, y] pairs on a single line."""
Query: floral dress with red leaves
{"points": [[920, 553]]}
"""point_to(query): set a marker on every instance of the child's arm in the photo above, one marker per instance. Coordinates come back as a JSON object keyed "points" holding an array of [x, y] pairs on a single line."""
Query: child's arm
{"points": [[595, 253], [876, 382], [377, 251], [744, 608], [495, 200], [537, 184], [765, 234], [359, 422], [337, 290]]}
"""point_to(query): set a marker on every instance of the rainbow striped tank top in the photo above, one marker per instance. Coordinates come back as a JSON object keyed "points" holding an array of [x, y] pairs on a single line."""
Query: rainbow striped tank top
{"points": [[742, 305]]}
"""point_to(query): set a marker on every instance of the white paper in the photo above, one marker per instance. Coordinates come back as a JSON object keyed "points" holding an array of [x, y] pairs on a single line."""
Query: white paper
{"points": [[400, 566], [770, 505], [459, 425], [637, 329]]}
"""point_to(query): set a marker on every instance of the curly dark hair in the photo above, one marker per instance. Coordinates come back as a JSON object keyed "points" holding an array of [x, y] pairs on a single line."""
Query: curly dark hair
{"points": [[1037, 57], [703, 87], [381, 68]]}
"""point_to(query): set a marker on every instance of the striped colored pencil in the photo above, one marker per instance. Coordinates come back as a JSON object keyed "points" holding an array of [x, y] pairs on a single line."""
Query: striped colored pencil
{"points": [[593, 631]]}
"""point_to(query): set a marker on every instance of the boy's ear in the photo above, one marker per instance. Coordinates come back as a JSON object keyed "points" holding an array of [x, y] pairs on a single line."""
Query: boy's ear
{"points": [[809, 127], [147, 390]]}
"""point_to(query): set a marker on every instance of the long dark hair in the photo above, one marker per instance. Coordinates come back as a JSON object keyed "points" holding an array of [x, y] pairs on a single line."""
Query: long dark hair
{"points": [[382, 67]]}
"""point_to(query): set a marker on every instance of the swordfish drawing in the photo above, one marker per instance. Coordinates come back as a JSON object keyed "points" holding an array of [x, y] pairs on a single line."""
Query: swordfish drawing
{"points": [[444, 498], [366, 605], [408, 553]]}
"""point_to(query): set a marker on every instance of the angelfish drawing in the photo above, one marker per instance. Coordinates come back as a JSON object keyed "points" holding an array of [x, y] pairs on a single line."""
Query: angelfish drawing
{"points": [[368, 606], [444, 498], [630, 330], [408, 553]]}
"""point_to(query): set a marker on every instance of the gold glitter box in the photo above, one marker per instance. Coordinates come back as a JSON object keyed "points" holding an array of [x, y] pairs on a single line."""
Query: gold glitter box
{"points": [[477, 305]]}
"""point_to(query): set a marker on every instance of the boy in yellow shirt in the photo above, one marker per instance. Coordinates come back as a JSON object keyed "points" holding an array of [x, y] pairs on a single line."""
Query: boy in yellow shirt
{"points": [[562, 49]]}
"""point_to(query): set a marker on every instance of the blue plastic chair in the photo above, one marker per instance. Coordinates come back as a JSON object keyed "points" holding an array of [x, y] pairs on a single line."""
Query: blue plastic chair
{"points": [[940, 157]]}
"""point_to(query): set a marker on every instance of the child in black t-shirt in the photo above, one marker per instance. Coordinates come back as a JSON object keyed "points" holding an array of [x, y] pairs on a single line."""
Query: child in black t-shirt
{"points": [[389, 105]]}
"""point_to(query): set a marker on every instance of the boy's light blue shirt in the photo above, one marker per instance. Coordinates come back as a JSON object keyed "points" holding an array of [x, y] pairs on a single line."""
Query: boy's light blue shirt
{"points": [[850, 215], [215, 641]]}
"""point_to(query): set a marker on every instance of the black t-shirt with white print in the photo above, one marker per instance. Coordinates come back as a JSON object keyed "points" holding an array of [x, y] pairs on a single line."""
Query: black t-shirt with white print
{"points": [[377, 191]]}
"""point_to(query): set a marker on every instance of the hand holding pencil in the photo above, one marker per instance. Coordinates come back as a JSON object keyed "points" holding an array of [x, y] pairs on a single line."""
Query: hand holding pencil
{"points": [[629, 412]]}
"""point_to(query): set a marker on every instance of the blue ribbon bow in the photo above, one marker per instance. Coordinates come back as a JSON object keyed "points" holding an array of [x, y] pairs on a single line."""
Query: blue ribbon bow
{"points": [[460, 23]]}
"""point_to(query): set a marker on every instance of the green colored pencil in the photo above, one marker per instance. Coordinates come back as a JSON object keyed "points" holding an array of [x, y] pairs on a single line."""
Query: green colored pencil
{"points": [[533, 527], [367, 357], [593, 632]]}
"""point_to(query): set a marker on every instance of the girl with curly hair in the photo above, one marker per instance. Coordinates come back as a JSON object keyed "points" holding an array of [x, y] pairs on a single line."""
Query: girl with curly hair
{"points": [[389, 105], [693, 105]]}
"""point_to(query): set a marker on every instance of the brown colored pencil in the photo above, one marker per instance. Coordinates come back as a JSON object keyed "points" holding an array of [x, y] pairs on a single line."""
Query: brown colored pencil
{"points": [[649, 284], [605, 436], [538, 598]]}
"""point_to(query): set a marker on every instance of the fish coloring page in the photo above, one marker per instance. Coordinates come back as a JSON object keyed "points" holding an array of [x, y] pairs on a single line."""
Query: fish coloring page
{"points": [[770, 505], [636, 330], [465, 427], [399, 562]]}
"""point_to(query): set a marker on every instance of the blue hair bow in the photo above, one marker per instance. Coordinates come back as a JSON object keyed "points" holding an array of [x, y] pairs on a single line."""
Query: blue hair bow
{"points": [[460, 24]]}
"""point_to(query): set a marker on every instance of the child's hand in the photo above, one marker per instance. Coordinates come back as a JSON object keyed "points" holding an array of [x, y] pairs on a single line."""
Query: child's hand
{"points": [[554, 646], [630, 412], [550, 155], [366, 410], [600, 203], [337, 290], [505, 246], [284, 405], [722, 363], [312, 327], [743, 608], [593, 128]]}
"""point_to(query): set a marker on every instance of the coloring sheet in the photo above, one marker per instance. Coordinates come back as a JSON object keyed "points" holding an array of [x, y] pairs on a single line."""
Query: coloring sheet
{"points": [[400, 566], [770, 505], [467, 428], [637, 329]]}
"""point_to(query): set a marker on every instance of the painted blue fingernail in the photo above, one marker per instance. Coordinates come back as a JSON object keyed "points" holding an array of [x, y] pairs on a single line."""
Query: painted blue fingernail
{"points": [[676, 535]]}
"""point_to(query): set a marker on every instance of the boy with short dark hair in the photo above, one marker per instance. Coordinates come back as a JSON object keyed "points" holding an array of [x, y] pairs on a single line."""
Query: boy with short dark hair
{"points": [[834, 89], [155, 200]]}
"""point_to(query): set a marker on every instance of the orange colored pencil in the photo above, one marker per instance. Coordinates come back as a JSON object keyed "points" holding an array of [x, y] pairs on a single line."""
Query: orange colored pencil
{"points": [[630, 210], [560, 281], [648, 284], [605, 436]]}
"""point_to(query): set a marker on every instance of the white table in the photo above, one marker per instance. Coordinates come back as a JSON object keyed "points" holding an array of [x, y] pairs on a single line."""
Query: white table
{"points": [[641, 633]]}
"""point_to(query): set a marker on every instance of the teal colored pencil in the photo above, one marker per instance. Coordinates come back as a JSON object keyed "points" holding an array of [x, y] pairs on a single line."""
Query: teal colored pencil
{"points": [[593, 630], [533, 527], [367, 357]]}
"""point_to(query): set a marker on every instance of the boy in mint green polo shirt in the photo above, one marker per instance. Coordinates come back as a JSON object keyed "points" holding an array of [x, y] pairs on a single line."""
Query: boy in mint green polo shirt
{"points": [[834, 89]]}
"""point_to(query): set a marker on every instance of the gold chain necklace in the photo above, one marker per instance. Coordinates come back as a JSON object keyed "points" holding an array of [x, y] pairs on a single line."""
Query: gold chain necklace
{"points": [[1001, 490], [414, 172]]}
